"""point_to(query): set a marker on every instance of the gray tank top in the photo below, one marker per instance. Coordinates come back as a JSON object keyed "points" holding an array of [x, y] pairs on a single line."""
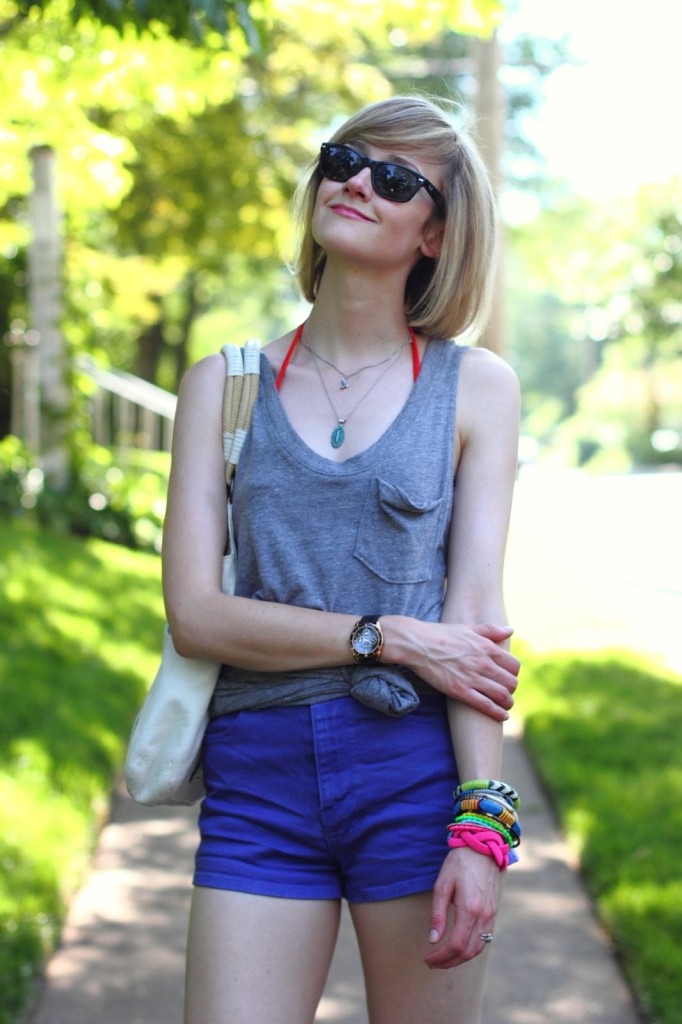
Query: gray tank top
{"points": [[364, 536]]}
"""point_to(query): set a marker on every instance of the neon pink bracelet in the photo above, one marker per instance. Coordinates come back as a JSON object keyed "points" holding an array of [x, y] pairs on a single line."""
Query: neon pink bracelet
{"points": [[483, 840]]}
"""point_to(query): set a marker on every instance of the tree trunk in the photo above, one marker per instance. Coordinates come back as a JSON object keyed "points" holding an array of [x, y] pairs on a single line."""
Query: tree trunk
{"points": [[150, 345], [45, 304], [191, 312], [490, 113]]}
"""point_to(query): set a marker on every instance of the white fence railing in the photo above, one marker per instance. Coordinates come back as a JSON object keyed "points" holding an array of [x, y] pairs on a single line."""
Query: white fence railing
{"points": [[126, 411]]}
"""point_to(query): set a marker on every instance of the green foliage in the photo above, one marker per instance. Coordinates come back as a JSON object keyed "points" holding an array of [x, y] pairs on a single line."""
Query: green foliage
{"points": [[13, 281], [80, 626], [182, 19], [604, 732], [175, 163], [117, 496], [596, 312]]}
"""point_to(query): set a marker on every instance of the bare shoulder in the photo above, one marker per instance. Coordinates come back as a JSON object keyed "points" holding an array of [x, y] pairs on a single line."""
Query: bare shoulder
{"points": [[489, 394], [204, 373], [484, 371], [202, 380], [200, 397]]}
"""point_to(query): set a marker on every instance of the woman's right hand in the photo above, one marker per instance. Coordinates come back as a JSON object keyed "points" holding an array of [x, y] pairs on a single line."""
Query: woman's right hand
{"points": [[465, 662]]}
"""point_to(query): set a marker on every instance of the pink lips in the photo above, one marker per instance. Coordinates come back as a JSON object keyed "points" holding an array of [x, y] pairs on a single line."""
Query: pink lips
{"points": [[349, 211]]}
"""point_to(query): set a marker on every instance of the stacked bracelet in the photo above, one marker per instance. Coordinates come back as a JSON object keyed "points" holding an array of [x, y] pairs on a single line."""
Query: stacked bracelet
{"points": [[483, 840], [485, 818], [489, 786]]}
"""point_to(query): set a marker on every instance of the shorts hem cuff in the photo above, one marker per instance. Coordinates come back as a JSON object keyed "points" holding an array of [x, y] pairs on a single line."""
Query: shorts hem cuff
{"points": [[265, 888], [390, 892]]}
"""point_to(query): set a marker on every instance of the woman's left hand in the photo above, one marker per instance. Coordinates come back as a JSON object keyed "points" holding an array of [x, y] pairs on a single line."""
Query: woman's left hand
{"points": [[469, 883]]}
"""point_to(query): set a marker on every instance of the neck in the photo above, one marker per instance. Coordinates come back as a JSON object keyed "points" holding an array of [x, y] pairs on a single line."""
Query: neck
{"points": [[360, 317]]}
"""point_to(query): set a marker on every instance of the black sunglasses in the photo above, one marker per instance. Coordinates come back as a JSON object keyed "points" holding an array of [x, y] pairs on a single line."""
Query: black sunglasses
{"points": [[390, 181]]}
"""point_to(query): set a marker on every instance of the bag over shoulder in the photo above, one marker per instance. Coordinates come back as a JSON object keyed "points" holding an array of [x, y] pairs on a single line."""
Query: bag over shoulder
{"points": [[163, 761]]}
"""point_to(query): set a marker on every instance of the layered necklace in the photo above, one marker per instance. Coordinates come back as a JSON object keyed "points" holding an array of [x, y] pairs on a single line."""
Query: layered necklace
{"points": [[338, 434], [346, 377]]}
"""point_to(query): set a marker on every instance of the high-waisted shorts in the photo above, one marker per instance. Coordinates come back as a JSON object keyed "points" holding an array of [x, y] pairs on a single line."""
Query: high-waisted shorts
{"points": [[326, 801]]}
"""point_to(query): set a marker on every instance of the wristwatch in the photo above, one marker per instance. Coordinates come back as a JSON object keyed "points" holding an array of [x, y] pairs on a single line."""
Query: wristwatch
{"points": [[367, 640]]}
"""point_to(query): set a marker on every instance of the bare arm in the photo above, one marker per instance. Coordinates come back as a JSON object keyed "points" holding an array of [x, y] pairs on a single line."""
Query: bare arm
{"points": [[489, 416], [204, 622], [464, 661]]}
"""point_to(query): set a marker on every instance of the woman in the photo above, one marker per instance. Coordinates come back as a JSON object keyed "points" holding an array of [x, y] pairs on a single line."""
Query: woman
{"points": [[369, 634]]}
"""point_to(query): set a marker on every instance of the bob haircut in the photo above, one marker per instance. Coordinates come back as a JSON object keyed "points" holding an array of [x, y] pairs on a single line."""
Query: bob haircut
{"points": [[450, 296]]}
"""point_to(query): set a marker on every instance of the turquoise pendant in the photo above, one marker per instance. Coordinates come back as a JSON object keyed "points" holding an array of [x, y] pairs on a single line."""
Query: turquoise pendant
{"points": [[338, 435]]}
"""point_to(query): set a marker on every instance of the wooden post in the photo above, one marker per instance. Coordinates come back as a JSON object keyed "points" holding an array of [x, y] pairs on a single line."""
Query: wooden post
{"points": [[490, 115], [45, 303]]}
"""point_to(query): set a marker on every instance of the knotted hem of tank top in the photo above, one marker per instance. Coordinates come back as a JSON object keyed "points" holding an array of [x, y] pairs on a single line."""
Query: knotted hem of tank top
{"points": [[384, 688], [389, 689]]}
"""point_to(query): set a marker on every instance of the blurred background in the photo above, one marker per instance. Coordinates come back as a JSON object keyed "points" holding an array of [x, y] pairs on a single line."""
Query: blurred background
{"points": [[164, 195], [148, 157]]}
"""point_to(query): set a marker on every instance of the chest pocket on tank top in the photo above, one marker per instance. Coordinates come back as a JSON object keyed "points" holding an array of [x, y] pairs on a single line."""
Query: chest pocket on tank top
{"points": [[398, 533]]}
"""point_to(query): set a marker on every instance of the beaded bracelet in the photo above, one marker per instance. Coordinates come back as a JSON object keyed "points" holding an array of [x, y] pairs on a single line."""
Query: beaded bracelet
{"points": [[512, 837], [513, 830], [481, 823], [495, 809], [490, 785]]}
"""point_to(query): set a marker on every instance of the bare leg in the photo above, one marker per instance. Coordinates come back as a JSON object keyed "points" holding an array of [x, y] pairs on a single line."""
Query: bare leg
{"points": [[401, 989], [257, 959]]}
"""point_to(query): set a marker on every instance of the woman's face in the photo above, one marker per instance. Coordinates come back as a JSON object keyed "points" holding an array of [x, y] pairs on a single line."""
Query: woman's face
{"points": [[353, 222]]}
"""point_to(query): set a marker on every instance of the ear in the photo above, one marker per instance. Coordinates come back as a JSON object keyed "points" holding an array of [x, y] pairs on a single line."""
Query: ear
{"points": [[432, 242]]}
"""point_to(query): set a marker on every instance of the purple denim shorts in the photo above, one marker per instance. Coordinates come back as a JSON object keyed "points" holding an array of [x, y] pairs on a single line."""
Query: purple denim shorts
{"points": [[326, 801]]}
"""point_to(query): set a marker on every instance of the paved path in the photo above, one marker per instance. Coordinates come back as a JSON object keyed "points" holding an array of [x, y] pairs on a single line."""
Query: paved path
{"points": [[121, 961]]}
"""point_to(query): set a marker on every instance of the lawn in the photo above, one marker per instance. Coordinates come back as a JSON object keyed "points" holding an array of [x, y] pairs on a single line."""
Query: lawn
{"points": [[80, 627], [603, 731]]}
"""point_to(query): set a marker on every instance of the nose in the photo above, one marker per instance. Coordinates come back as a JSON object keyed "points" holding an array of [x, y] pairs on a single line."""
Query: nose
{"points": [[360, 183]]}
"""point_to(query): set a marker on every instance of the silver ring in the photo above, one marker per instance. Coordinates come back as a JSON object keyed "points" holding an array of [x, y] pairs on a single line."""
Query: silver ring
{"points": [[487, 937]]}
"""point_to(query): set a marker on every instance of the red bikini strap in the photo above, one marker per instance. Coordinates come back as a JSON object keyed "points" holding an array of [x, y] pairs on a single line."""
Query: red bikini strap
{"points": [[416, 362], [287, 358]]}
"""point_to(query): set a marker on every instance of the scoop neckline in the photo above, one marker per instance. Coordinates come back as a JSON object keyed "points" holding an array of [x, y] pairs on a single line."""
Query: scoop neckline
{"points": [[283, 432]]}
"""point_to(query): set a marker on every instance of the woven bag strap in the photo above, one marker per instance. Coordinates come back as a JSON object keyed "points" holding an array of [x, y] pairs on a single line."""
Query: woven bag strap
{"points": [[241, 390]]}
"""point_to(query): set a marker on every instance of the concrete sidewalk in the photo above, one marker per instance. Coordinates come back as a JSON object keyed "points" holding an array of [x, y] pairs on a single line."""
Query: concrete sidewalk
{"points": [[121, 961]]}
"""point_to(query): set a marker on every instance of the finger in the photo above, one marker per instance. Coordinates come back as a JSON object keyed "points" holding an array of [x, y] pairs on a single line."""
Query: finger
{"points": [[480, 702], [464, 943], [495, 685], [442, 898], [506, 661], [495, 633], [457, 949]]}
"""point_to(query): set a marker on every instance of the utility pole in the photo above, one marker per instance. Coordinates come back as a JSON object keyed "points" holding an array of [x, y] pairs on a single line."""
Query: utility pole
{"points": [[45, 304], [490, 116]]}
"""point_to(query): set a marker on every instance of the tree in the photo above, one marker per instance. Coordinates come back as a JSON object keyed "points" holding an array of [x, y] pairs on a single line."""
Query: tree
{"points": [[154, 220], [493, 85], [181, 19], [597, 326]]}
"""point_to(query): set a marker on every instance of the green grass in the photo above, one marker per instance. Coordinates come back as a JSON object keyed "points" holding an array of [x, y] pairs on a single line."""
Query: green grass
{"points": [[605, 734], [80, 629]]}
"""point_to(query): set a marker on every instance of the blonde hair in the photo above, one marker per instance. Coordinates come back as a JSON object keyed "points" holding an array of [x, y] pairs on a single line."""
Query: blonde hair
{"points": [[448, 296]]}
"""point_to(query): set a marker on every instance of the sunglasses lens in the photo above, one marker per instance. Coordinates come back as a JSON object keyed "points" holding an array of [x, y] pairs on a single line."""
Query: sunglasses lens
{"points": [[338, 163], [396, 183]]}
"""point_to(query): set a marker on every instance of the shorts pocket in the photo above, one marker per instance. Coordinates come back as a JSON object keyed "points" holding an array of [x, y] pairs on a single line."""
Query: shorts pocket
{"points": [[398, 533]]}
